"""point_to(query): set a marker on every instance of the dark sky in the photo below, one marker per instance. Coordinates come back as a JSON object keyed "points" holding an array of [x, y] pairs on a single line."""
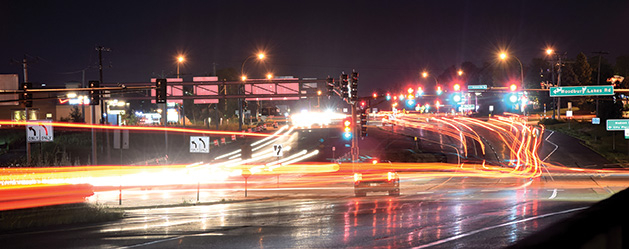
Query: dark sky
{"points": [[388, 42]]}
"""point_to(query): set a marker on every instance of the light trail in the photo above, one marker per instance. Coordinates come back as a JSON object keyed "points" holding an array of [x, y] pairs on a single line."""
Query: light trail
{"points": [[134, 128]]}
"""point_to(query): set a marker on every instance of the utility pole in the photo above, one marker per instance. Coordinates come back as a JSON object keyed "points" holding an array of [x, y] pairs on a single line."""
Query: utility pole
{"points": [[598, 78], [558, 85], [28, 145], [100, 50]]}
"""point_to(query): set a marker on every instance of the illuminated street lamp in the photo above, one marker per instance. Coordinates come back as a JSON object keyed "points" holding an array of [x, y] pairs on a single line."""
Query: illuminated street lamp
{"points": [[503, 56], [425, 75], [460, 72], [260, 56], [180, 59], [269, 76]]}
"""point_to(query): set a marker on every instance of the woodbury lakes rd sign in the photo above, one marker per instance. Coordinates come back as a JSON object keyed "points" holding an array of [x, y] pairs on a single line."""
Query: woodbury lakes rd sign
{"points": [[569, 91]]}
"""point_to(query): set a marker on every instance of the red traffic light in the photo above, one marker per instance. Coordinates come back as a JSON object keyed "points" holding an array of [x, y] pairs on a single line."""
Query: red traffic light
{"points": [[375, 95], [457, 87]]}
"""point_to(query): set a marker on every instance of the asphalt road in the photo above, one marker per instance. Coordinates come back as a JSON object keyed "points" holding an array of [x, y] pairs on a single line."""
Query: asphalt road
{"points": [[439, 212], [431, 213]]}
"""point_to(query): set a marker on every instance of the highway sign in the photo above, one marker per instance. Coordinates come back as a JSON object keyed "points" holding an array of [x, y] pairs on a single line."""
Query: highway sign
{"points": [[41, 132], [199, 144], [627, 134], [568, 91], [277, 148], [617, 124], [596, 120], [477, 87], [468, 107]]}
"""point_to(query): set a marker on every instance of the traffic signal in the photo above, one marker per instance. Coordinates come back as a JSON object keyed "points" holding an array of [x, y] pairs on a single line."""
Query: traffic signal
{"points": [[513, 87], [388, 97], [26, 98], [330, 85], [354, 88], [94, 94], [363, 124], [347, 128], [439, 91], [344, 87], [375, 95], [457, 87], [160, 91]]}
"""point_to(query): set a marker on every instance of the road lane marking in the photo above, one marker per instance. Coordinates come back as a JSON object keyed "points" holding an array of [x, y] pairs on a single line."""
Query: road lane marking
{"points": [[153, 242], [438, 242], [556, 146], [426, 192], [553, 195]]}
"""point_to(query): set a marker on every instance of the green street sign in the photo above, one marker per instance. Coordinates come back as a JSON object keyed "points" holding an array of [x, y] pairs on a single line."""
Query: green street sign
{"points": [[569, 91], [477, 87], [617, 124], [468, 107]]}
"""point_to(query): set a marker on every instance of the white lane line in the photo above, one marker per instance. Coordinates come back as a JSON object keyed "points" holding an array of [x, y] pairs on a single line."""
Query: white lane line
{"points": [[153, 242], [556, 146], [553, 195], [438, 242], [427, 192]]}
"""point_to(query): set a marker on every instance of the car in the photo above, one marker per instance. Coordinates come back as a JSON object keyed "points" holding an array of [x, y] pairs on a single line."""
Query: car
{"points": [[376, 180]]}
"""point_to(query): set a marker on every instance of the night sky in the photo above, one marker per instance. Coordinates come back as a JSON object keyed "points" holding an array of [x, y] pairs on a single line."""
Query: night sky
{"points": [[387, 42]]}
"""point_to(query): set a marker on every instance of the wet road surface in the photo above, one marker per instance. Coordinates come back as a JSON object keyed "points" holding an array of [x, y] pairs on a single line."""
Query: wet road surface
{"points": [[431, 213]]}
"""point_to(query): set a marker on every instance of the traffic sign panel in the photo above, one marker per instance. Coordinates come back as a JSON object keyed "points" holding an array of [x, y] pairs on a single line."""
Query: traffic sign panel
{"points": [[199, 144], [277, 148], [476, 87], [568, 91], [617, 124], [41, 132]]}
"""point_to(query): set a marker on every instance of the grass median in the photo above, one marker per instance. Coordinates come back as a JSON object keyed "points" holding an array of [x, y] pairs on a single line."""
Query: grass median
{"points": [[69, 214], [610, 144]]}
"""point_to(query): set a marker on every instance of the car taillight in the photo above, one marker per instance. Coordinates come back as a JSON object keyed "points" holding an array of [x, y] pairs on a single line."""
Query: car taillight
{"points": [[358, 177], [390, 176]]}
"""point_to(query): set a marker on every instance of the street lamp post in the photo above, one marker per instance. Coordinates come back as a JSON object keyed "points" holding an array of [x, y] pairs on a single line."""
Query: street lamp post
{"points": [[425, 75], [503, 56], [244, 78], [180, 59]]}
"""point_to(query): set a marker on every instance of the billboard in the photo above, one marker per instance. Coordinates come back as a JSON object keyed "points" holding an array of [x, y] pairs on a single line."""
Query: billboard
{"points": [[9, 82]]}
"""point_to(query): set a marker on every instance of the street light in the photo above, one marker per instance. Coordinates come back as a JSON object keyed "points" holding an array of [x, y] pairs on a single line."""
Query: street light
{"points": [[180, 59], [460, 72], [425, 75], [260, 56], [503, 56]]}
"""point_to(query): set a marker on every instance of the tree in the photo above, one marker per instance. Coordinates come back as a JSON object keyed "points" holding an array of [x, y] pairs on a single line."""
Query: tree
{"points": [[129, 117], [622, 69], [568, 76], [228, 106], [75, 115], [582, 70], [539, 72]]}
